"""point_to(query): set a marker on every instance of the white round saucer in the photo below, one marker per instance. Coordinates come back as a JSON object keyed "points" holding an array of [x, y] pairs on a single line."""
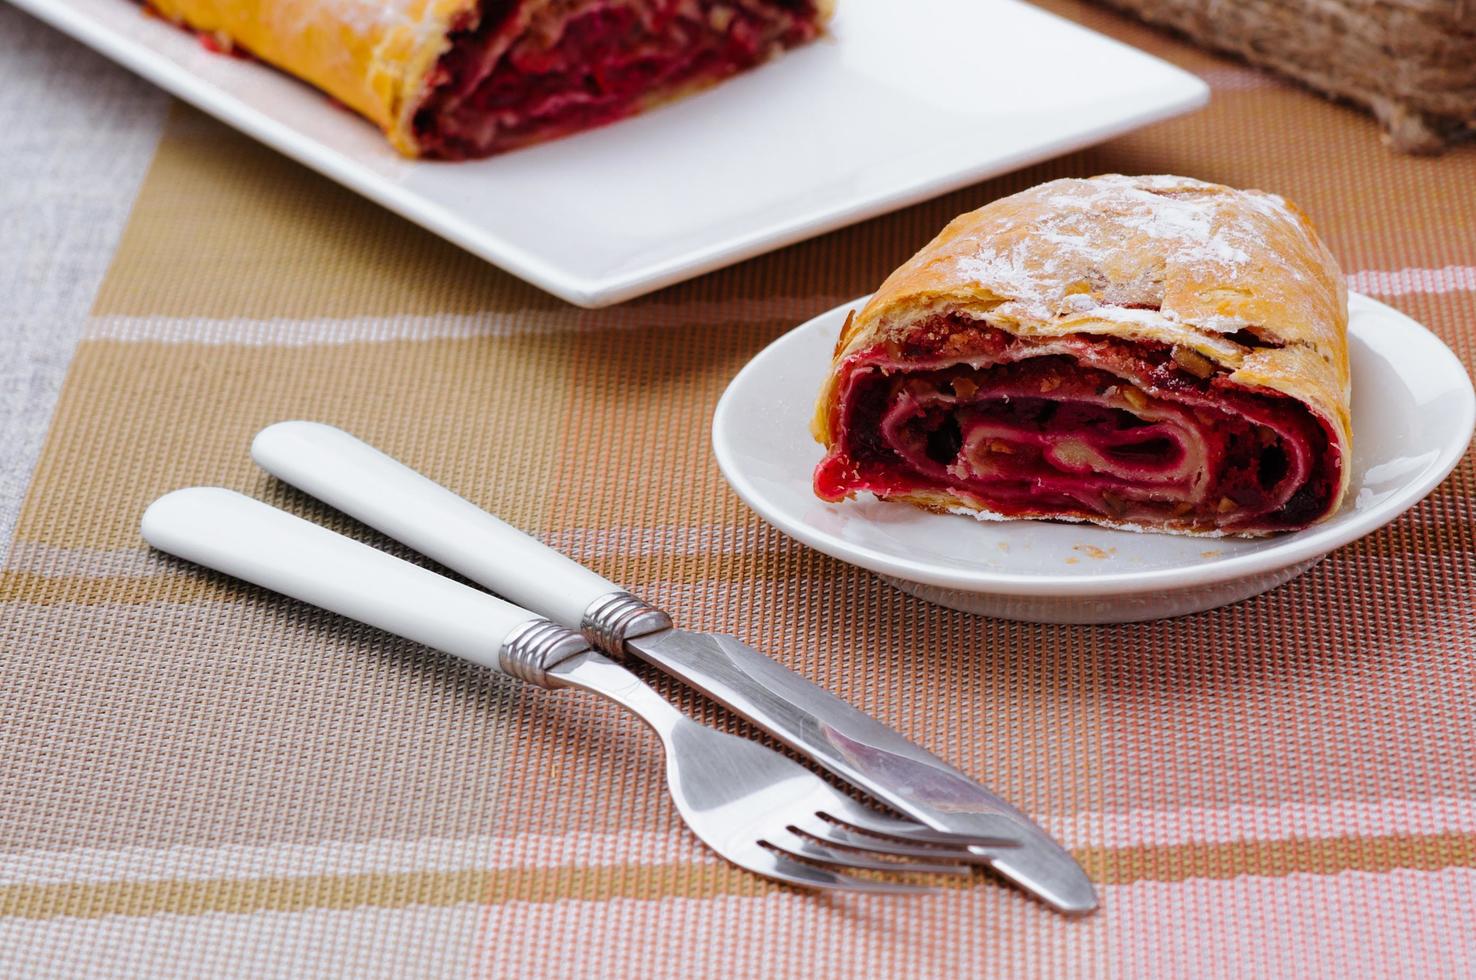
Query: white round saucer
{"points": [[1413, 412]]}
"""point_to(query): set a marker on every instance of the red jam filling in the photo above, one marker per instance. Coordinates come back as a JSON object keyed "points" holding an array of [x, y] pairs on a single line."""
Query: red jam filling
{"points": [[1081, 427], [510, 79]]}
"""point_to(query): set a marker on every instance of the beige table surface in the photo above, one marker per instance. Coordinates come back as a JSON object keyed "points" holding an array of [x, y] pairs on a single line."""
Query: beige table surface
{"points": [[199, 778]]}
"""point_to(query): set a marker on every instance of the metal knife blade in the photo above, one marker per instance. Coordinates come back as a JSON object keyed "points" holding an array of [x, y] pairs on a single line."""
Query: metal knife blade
{"points": [[868, 754], [360, 480]]}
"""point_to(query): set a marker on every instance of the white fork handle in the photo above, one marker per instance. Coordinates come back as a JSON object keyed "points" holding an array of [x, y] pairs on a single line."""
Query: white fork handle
{"points": [[354, 477], [232, 533]]}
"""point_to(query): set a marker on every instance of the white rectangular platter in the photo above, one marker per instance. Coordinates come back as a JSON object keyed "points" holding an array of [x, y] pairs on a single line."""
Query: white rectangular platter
{"points": [[906, 99]]}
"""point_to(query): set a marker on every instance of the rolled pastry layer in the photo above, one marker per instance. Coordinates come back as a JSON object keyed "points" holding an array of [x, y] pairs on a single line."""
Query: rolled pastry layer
{"points": [[468, 78], [1142, 352]]}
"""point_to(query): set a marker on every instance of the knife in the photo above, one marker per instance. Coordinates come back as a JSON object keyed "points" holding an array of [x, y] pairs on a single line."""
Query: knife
{"points": [[374, 488]]}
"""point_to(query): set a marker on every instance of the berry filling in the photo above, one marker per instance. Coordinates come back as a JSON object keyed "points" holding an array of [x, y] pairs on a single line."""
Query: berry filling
{"points": [[512, 78], [1079, 427]]}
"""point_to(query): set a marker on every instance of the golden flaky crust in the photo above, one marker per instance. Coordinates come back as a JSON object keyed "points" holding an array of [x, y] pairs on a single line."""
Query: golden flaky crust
{"points": [[374, 56], [1157, 258]]}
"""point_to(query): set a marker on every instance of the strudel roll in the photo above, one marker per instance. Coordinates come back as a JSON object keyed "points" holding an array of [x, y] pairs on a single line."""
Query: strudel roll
{"points": [[1150, 353], [468, 78]]}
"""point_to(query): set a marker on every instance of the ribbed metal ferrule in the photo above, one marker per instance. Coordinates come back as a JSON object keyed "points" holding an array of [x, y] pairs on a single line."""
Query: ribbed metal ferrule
{"points": [[531, 649], [612, 619]]}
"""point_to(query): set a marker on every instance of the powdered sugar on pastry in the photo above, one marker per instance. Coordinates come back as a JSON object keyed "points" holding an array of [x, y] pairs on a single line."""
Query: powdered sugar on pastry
{"points": [[1120, 241], [1138, 352]]}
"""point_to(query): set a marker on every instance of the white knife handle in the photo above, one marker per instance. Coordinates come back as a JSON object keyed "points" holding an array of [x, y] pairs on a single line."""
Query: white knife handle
{"points": [[231, 533], [354, 477]]}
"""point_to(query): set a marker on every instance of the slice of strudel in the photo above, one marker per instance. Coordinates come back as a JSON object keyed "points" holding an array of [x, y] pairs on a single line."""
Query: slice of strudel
{"points": [[469, 78], [1149, 353]]}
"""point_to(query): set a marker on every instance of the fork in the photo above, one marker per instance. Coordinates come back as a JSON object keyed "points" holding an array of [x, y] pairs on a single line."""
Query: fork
{"points": [[753, 806]]}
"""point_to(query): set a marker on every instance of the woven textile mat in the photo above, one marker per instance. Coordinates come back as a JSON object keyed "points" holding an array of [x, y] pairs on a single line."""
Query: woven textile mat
{"points": [[197, 776]]}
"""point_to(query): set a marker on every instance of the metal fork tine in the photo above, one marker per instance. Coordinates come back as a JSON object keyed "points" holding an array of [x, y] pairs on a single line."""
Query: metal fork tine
{"points": [[778, 865], [803, 847], [854, 816], [734, 793], [827, 832]]}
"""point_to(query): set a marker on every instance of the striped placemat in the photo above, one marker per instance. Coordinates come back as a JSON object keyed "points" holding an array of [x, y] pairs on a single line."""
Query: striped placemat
{"points": [[197, 777]]}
